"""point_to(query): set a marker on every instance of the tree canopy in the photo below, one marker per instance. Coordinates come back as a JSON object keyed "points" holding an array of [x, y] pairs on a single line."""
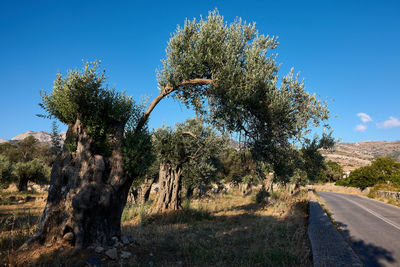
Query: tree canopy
{"points": [[26, 160], [381, 170], [190, 141], [228, 74], [83, 95]]}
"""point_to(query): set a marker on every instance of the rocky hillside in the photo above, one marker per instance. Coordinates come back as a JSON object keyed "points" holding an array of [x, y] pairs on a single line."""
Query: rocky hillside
{"points": [[42, 136], [355, 155]]}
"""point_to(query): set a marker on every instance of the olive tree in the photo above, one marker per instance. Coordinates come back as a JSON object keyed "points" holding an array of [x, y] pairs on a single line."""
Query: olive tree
{"points": [[89, 184], [34, 170], [190, 147], [6, 172], [225, 72]]}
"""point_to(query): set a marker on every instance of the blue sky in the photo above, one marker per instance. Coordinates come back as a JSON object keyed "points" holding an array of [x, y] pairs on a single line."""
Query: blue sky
{"points": [[347, 51]]}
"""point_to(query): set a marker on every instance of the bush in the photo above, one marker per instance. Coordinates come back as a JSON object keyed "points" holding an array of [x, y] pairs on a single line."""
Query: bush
{"points": [[261, 196], [6, 174], [381, 170], [34, 170]]}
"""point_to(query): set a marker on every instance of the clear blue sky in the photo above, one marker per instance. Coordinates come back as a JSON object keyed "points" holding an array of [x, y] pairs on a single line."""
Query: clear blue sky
{"points": [[347, 51]]}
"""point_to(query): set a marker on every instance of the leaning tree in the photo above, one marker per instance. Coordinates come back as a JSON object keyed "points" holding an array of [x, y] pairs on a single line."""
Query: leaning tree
{"points": [[226, 72]]}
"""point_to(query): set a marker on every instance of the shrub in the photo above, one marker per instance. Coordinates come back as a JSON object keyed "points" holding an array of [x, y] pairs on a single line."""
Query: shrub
{"points": [[381, 170], [6, 174]]}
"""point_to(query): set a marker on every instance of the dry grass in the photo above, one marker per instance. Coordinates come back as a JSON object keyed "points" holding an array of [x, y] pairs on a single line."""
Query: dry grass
{"points": [[18, 220], [221, 230], [385, 187], [369, 192], [226, 230], [331, 187]]}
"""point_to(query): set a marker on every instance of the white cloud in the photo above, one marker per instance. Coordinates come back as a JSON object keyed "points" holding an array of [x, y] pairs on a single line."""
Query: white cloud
{"points": [[364, 117], [361, 127], [390, 123]]}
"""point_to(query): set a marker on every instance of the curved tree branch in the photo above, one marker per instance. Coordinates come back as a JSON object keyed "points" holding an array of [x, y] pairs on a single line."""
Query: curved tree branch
{"points": [[191, 134], [165, 92]]}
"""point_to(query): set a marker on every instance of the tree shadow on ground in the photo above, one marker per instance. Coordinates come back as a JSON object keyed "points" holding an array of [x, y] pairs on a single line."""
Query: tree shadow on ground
{"points": [[369, 254], [243, 236]]}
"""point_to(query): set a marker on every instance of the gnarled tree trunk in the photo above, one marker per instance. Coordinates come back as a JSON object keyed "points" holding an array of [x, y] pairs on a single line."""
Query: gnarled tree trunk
{"points": [[22, 184], [169, 197], [144, 191], [87, 195], [141, 194]]}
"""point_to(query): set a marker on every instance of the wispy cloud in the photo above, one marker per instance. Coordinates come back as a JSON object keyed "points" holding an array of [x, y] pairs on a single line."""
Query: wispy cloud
{"points": [[361, 127], [390, 123], [364, 117]]}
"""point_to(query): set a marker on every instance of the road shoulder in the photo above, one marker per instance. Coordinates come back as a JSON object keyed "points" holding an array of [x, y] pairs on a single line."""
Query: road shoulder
{"points": [[328, 246]]}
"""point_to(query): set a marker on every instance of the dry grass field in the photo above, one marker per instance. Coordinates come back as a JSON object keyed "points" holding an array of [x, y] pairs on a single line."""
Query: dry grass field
{"points": [[219, 230]]}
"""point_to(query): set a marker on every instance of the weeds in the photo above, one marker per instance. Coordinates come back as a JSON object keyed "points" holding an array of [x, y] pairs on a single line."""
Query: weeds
{"points": [[220, 230], [227, 230]]}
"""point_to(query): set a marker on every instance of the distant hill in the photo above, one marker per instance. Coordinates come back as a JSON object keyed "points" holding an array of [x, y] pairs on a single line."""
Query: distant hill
{"points": [[42, 136], [355, 155]]}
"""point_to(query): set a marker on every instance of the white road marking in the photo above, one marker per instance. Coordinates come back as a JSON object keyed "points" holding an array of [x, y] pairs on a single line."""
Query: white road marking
{"points": [[395, 225]]}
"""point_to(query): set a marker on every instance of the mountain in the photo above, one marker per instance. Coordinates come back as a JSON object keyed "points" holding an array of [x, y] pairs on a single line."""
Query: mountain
{"points": [[42, 136], [355, 155], [3, 141]]}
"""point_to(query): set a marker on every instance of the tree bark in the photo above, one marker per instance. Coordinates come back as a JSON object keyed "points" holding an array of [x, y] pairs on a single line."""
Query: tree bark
{"points": [[169, 197], [189, 192], [22, 184], [87, 193], [143, 192], [132, 196]]}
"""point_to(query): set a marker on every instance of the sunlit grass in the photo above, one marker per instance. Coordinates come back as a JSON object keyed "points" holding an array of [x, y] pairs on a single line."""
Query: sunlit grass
{"points": [[217, 230]]}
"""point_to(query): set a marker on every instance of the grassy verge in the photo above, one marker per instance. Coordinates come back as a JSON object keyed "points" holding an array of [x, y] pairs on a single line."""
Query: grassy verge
{"points": [[221, 230], [328, 213], [373, 193], [331, 187]]}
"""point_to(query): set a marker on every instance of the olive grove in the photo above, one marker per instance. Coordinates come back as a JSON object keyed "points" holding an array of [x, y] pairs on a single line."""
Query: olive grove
{"points": [[226, 72]]}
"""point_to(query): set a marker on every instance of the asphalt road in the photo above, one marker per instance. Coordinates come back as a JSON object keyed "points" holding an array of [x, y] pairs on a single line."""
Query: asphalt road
{"points": [[371, 226]]}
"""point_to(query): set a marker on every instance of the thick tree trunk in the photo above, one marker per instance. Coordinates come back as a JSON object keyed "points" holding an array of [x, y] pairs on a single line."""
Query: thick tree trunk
{"points": [[141, 194], [87, 195], [169, 197], [144, 191], [22, 184], [189, 192]]}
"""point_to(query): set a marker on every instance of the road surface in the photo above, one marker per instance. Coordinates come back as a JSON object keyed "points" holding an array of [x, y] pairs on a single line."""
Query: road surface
{"points": [[370, 226]]}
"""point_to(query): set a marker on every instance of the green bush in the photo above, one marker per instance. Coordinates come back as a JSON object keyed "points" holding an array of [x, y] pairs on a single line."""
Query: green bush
{"points": [[6, 174], [381, 170], [34, 170]]}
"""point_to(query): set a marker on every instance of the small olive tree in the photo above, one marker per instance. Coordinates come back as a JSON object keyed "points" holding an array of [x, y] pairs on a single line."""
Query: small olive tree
{"points": [[191, 146], [34, 171]]}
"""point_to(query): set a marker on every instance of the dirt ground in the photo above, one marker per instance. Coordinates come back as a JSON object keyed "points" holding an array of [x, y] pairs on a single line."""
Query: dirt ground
{"points": [[218, 230]]}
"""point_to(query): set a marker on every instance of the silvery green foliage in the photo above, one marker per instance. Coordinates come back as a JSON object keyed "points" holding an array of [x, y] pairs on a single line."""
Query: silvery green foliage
{"points": [[192, 146], [34, 170], [83, 95], [244, 92], [6, 171]]}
